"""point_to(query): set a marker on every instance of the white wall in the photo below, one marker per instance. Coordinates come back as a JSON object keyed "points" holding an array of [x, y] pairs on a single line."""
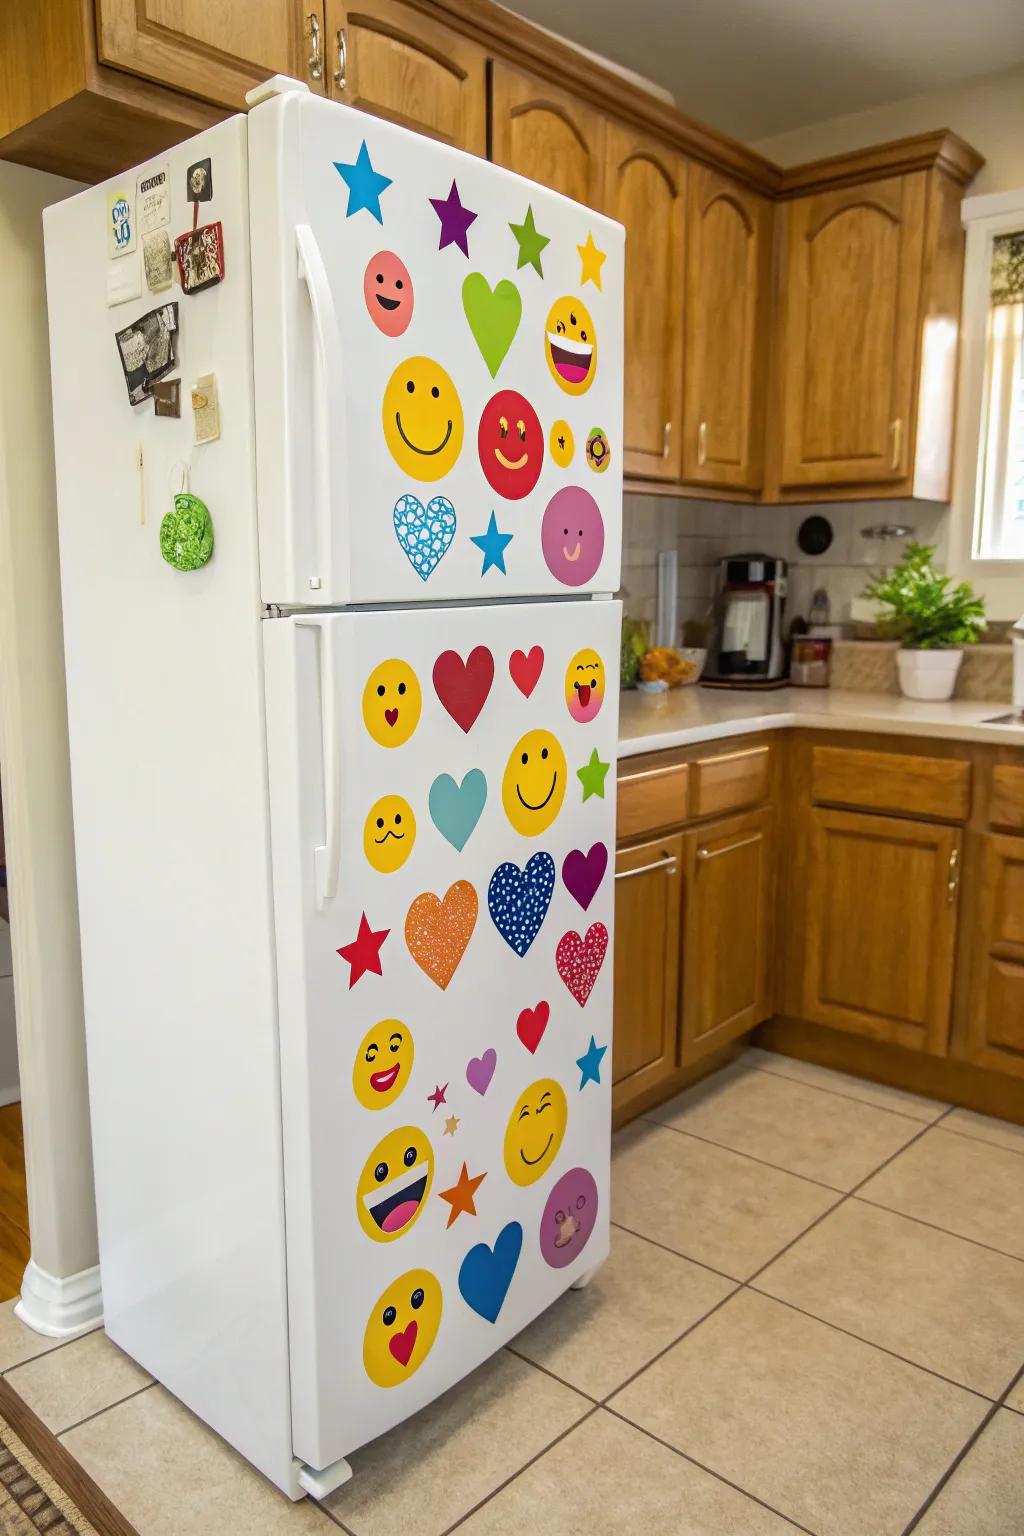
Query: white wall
{"points": [[34, 754], [9, 1089]]}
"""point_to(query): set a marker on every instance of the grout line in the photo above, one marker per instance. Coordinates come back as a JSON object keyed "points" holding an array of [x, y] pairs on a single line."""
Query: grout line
{"points": [[675, 1253], [547, 1371], [975, 1242], [98, 1413], [941, 1106], [761, 1161], [954, 1130], [678, 1340], [505, 1483], [957, 1461], [52, 1350]]}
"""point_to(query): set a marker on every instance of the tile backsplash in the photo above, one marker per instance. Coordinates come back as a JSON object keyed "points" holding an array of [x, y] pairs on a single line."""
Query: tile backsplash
{"points": [[702, 532]]}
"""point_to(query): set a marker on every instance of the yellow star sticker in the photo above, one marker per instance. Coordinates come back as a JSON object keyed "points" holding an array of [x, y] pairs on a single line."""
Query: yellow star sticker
{"points": [[593, 260], [451, 1125]]}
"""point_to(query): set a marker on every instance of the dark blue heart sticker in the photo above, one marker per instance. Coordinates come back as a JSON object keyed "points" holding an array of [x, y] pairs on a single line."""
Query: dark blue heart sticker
{"points": [[486, 1273], [518, 900]]}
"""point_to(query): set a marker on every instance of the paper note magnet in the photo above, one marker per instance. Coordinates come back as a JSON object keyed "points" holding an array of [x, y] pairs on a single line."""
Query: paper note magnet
{"points": [[157, 260], [147, 350], [124, 282], [206, 409], [153, 200], [199, 182], [121, 237], [186, 533], [200, 257], [167, 397]]}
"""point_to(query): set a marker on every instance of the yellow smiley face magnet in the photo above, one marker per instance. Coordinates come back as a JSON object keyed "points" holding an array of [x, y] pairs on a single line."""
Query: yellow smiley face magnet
{"points": [[389, 833], [535, 1130], [392, 703], [394, 1184], [422, 419], [402, 1327], [533, 787], [383, 1064]]}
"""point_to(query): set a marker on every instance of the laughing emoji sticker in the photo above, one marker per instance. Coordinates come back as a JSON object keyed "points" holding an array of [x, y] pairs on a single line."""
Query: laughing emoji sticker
{"points": [[584, 686], [389, 834], [391, 703], [394, 1184], [570, 345], [422, 419], [383, 1064], [533, 787], [535, 1130], [402, 1327]]}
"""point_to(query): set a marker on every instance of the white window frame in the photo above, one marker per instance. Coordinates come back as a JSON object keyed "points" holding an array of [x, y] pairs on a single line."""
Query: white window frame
{"points": [[1000, 582]]}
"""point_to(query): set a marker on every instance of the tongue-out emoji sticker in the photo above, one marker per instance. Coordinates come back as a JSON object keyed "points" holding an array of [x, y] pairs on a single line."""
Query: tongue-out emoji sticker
{"points": [[383, 1064], [402, 1327], [510, 442], [394, 1184], [387, 291], [392, 703], [584, 686], [572, 536], [570, 345]]}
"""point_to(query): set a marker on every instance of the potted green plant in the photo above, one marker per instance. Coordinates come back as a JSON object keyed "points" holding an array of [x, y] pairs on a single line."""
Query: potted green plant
{"points": [[932, 618]]}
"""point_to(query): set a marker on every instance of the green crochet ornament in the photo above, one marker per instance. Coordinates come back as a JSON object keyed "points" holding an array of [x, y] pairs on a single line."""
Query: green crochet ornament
{"points": [[186, 534]]}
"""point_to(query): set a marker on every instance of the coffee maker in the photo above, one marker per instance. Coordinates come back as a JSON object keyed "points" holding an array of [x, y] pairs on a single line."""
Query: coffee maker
{"points": [[747, 649]]}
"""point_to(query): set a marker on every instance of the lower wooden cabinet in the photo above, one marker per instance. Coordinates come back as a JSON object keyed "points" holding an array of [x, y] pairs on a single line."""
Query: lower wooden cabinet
{"points": [[726, 930], [995, 1027], [880, 921], [648, 880]]}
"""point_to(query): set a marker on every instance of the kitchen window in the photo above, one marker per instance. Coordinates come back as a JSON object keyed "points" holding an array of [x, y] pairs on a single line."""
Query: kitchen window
{"points": [[999, 499]]}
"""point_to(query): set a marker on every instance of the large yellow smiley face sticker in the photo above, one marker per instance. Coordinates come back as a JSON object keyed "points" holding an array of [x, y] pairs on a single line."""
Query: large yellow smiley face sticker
{"points": [[389, 834], [383, 1064], [533, 788], [394, 1184], [422, 418], [402, 1327], [535, 1130], [392, 703], [570, 345]]}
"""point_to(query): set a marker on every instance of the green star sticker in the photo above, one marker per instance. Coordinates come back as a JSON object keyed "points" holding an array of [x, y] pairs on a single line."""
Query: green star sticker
{"points": [[592, 776], [531, 243]]}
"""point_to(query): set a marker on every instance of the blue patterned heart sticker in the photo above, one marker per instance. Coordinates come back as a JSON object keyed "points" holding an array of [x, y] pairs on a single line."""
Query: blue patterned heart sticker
{"points": [[424, 532], [486, 1273], [456, 808], [518, 900]]}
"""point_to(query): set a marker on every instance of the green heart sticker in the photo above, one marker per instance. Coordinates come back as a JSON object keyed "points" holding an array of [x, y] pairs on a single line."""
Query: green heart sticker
{"points": [[494, 315]]}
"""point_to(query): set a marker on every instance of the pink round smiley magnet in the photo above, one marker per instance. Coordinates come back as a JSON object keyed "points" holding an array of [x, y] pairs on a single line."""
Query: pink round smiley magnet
{"points": [[387, 290], [569, 1217], [572, 536]]}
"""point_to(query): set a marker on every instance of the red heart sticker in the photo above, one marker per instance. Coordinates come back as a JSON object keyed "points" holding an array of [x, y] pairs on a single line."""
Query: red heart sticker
{"points": [[579, 960], [525, 670], [531, 1024], [463, 686], [402, 1344], [391, 715]]}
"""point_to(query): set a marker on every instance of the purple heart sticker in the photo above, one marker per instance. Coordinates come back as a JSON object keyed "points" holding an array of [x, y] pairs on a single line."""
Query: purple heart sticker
{"points": [[582, 873], [480, 1070]]}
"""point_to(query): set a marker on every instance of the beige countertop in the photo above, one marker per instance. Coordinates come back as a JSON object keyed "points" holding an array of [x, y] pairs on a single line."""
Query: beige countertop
{"points": [[649, 723]]}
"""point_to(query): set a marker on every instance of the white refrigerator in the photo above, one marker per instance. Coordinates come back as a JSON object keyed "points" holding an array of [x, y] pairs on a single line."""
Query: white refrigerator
{"points": [[338, 418]]}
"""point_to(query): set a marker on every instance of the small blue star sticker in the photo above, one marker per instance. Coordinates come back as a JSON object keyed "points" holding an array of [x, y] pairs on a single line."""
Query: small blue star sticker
{"points": [[493, 545], [590, 1063], [365, 185]]}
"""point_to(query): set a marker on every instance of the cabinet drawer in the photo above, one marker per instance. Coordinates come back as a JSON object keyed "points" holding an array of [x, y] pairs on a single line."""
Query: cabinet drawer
{"points": [[732, 781], [1006, 807], [937, 787], [652, 798]]}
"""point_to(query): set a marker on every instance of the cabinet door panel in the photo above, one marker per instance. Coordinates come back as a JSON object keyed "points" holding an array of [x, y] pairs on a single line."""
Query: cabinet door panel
{"points": [[546, 134], [995, 1030], [647, 935], [851, 284], [645, 190], [880, 925], [728, 282]]}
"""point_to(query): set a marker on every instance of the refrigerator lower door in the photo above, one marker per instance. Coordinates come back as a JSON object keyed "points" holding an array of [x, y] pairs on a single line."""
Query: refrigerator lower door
{"points": [[442, 814]]}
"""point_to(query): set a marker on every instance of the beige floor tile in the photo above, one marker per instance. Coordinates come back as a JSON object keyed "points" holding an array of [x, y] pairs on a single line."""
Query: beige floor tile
{"points": [[18, 1343], [171, 1476], [1001, 1133], [638, 1302], [959, 1184], [985, 1495], [878, 1094], [77, 1381], [434, 1468], [790, 1125], [932, 1298], [706, 1202], [1016, 1398], [833, 1433], [608, 1479]]}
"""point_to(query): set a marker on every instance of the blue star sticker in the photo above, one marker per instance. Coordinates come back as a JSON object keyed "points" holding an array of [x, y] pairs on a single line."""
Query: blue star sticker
{"points": [[493, 545], [590, 1063], [365, 185]]}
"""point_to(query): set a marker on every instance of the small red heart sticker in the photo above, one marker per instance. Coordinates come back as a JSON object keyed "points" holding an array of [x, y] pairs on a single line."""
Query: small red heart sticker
{"points": [[402, 1344], [525, 670], [531, 1024], [391, 715]]}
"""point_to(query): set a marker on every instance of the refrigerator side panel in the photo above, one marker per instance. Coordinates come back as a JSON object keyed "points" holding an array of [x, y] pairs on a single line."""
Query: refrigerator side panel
{"points": [[169, 782]]}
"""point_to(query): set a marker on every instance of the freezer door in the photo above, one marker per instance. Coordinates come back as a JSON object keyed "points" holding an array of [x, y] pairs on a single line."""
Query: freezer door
{"points": [[442, 813], [438, 359]]}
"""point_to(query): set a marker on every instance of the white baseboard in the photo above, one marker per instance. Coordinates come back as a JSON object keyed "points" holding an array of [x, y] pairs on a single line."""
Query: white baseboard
{"points": [[60, 1309]]}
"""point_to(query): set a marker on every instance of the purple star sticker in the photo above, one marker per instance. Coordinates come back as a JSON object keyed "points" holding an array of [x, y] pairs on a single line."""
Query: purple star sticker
{"points": [[455, 220]]}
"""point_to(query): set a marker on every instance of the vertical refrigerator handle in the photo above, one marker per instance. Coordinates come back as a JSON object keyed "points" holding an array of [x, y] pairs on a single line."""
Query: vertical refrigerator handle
{"points": [[327, 394], [327, 858]]}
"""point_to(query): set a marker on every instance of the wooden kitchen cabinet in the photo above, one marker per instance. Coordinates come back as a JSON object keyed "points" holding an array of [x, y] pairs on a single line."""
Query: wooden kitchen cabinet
{"points": [[648, 880], [546, 134], [880, 912], [729, 873], [995, 1021], [645, 189], [725, 322]]}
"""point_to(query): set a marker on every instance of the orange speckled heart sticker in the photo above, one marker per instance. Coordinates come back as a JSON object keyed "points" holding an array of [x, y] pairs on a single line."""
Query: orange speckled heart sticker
{"points": [[437, 931]]}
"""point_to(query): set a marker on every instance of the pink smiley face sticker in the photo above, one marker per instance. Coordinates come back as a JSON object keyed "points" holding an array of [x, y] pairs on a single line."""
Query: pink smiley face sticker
{"points": [[569, 1217], [387, 290], [572, 536]]}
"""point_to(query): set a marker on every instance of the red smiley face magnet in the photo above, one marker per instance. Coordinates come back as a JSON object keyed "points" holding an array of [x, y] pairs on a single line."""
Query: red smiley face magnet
{"points": [[511, 444], [387, 290]]}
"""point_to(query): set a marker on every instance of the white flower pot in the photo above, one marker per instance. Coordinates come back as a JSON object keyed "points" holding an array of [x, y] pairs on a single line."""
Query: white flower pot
{"points": [[929, 674]]}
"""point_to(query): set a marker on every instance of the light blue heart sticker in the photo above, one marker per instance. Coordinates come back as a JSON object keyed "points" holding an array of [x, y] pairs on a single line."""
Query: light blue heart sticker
{"points": [[424, 532], [455, 808]]}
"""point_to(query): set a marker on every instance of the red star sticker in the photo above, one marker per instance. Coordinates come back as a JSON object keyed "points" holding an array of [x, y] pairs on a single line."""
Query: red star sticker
{"points": [[460, 1196], [437, 1098], [363, 954]]}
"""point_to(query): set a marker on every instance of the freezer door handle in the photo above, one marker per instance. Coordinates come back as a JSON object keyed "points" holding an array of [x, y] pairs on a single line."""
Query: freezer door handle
{"points": [[327, 857], [327, 395]]}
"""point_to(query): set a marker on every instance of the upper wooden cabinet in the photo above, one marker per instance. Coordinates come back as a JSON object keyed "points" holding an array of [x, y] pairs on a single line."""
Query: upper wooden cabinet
{"points": [[547, 135], [645, 189], [725, 325], [995, 1018], [392, 60]]}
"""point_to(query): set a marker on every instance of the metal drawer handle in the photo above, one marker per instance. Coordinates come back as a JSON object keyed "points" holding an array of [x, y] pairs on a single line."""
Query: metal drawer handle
{"points": [[340, 72], [316, 61], [668, 864], [666, 439], [702, 444], [713, 853], [896, 434]]}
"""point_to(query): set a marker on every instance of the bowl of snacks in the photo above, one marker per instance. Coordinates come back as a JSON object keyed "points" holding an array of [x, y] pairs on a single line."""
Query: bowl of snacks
{"points": [[674, 668]]}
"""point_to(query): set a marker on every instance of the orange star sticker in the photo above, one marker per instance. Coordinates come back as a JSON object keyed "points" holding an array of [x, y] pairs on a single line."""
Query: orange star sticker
{"points": [[460, 1196]]}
